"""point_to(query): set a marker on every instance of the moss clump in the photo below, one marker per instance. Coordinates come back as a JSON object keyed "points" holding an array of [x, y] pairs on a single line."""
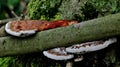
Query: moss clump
{"points": [[71, 9], [43, 9]]}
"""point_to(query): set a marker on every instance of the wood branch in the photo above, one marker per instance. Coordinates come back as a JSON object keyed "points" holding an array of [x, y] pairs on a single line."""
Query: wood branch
{"points": [[7, 20], [65, 36]]}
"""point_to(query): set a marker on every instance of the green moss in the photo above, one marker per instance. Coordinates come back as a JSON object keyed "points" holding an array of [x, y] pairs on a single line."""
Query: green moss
{"points": [[7, 62], [43, 9], [71, 9]]}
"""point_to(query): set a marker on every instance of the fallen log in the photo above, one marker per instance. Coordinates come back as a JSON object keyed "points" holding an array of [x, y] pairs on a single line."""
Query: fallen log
{"points": [[95, 29]]}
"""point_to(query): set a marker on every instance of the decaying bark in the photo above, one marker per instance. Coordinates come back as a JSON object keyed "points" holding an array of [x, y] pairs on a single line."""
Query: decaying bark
{"points": [[65, 36], [2, 31]]}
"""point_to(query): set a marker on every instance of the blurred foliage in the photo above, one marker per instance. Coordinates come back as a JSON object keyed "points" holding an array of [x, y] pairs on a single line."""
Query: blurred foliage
{"points": [[105, 7], [13, 4], [89, 11], [30, 60], [7, 62], [2, 12], [80, 10], [7, 6]]}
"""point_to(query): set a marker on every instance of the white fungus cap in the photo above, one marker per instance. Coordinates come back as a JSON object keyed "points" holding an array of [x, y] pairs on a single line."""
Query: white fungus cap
{"points": [[58, 54], [20, 33], [90, 46]]}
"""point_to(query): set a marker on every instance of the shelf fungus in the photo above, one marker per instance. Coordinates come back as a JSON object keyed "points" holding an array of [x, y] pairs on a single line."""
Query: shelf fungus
{"points": [[23, 28], [90, 46], [78, 49], [20, 28], [58, 54]]}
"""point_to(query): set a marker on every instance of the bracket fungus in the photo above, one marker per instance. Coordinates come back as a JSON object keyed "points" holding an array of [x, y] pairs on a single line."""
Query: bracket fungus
{"points": [[90, 46], [22, 33], [23, 28], [58, 54], [68, 52], [17, 28]]}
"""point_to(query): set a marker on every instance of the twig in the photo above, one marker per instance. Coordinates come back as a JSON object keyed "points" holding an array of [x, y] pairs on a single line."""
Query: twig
{"points": [[7, 20], [14, 14]]}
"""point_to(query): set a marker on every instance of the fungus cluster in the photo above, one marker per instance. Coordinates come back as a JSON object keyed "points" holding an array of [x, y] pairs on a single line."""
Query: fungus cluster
{"points": [[68, 52]]}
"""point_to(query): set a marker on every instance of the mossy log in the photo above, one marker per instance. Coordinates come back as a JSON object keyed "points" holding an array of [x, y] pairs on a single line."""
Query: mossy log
{"points": [[95, 29]]}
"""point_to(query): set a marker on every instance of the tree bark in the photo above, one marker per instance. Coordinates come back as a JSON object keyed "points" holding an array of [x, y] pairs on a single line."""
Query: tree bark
{"points": [[95, 29], [2, 32]]}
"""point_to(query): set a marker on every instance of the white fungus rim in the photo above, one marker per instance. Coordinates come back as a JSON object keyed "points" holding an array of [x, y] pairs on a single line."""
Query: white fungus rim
{"points": [[58, 57], [91, 48], [20, 33]]}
